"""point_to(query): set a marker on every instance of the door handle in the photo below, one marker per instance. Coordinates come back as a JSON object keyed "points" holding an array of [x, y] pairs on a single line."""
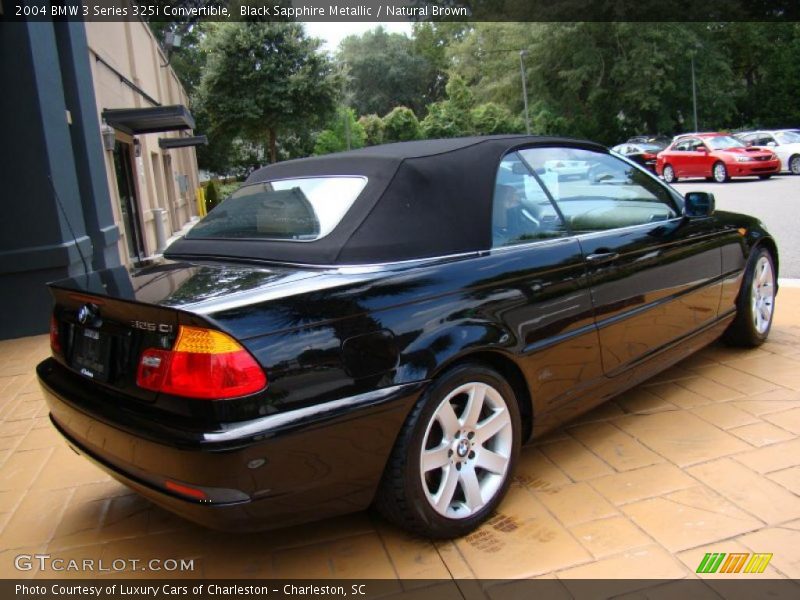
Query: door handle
{"points": [[599, 258]]}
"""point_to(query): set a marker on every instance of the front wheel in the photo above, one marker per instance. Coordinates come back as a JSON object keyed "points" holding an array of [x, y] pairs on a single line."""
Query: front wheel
{"points": [[755, 306], [452, 462], [794, 164], [764, 176], [720, 173], [669, 174]]}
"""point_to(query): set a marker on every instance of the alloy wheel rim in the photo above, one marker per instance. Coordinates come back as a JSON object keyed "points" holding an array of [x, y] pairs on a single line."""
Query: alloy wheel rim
{"points": [[762, 295], [795, 166], [668, 174], [719, 172], [466, 450]]}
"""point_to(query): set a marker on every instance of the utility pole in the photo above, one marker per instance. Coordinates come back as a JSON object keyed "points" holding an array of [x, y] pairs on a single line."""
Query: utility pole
{"points": [[523, 53], [694, 96]]}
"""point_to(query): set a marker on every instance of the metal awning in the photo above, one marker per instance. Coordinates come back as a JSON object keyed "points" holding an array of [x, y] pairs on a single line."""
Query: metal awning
{"points": [[182, 142], [149, 120]]}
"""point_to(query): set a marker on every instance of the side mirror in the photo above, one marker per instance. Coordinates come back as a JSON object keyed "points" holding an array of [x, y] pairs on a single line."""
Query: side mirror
{"points": [[699, 204], [702, 149]]}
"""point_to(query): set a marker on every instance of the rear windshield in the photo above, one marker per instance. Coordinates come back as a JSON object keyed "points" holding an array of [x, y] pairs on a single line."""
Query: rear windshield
{"points": [[304, 209]]}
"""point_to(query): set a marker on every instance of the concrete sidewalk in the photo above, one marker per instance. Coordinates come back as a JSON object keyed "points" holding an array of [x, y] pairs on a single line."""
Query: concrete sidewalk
{"points": [[703, 458]]}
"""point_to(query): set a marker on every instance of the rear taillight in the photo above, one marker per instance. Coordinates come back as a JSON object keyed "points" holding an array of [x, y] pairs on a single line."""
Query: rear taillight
{"points": [[203, 364], [55, 338]]}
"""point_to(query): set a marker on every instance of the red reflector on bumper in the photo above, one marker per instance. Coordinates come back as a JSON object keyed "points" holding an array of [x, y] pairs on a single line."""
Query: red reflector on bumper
{"points": [[185, 490]]}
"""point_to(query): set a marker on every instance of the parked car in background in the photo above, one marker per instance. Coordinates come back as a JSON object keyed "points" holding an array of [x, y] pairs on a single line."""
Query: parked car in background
{"points": [[388, 326], [641, 153], [715, 156], [783, 142], [658, 140]]}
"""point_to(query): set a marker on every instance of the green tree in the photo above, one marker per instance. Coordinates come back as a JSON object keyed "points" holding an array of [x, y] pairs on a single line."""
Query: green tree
{"points": [[491, 118], [385, 71], [451, 117], [334, 138], [373, 129], [265, 79], [401, 125]]}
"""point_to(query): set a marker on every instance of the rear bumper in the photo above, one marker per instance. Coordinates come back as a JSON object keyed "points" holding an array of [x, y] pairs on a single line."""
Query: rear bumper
{"points": [[279, 470]]}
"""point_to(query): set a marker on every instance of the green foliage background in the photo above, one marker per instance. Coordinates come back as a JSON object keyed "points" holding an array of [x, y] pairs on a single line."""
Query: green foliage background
{"points": [[601, 81]]}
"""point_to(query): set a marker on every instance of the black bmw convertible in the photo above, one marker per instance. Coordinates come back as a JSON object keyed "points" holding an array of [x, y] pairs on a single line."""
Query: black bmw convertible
{"points": [[386, 327]]}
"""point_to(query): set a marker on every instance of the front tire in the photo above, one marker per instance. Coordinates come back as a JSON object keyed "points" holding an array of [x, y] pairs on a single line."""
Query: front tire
{"points": [[452, 462], [764, 176], [720, 173], [755, 306], [668, 173]]}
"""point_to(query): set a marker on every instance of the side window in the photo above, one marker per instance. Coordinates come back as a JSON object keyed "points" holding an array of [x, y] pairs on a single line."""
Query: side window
{"points": [[682, 146], [521, 211], [595, 191]]}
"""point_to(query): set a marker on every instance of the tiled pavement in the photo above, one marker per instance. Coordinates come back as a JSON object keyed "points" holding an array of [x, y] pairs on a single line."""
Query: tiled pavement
{"points": [[705, 457]]}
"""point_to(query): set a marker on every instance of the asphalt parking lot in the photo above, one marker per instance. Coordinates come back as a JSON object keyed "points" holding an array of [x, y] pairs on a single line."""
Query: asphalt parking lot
{"points": [[703, 458], [775, 201]]}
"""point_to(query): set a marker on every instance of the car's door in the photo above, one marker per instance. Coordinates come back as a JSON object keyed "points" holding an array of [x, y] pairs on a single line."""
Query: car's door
{"points": [[679, 158], [655, 276], [543, 294], [699, 159]]}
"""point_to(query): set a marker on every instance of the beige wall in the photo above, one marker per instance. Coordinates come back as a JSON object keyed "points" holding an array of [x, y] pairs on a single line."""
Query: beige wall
{"points": [[133, 51]]}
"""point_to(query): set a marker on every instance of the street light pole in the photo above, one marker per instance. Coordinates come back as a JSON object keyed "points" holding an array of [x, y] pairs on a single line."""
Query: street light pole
{"points": [[523, 53], [694, 96]]}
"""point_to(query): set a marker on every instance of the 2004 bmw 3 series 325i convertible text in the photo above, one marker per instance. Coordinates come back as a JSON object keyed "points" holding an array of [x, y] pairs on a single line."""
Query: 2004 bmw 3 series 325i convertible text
{"points": [[388, 326]]}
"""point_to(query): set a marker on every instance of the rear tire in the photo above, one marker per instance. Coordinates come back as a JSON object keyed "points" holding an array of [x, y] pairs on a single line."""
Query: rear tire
{"points": [[794, 164], [668, 173], [755, 306], [451, 464], [719, 172]]}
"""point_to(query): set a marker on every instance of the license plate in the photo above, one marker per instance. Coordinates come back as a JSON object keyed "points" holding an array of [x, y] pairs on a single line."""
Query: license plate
{"points": [[91, 353]]}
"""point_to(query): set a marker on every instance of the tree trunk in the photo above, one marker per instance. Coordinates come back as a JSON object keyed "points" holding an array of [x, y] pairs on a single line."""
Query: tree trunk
{"points": [[273, 148]]}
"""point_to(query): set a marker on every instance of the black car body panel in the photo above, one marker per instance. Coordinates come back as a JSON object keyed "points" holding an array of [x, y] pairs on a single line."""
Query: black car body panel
{"points": [[348, 350]]}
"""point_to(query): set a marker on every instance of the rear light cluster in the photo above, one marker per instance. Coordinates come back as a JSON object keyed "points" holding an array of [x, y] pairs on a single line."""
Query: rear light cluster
{"points": [[55, 339], [204, 364]]}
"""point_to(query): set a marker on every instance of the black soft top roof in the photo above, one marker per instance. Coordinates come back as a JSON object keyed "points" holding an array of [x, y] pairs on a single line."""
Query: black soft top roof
{"points": [[422, 199]]}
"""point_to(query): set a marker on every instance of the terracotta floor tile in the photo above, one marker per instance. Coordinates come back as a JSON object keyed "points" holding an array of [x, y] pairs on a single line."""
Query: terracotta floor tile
{"points": [[360, 556], [642, 401], [678, 395], [680, 436], [36, 518], [67, 469], [784, 545], [614, 535], [761, 434], [576, 503], [650, 562], [454, 560], [616, 448], [643, 483], [575, 460], [719, 391], [537, 472], [772, 458], [22, 468], [689, 518], [788, 478], [412, 557], [788, 420], [724, 415], [41, 438], [522, 540], [14, 428], [748, 490], [734, 379], [604, 412]]}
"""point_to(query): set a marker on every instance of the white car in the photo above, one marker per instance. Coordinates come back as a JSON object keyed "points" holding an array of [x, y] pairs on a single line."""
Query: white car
{"points": [[783, 142]]}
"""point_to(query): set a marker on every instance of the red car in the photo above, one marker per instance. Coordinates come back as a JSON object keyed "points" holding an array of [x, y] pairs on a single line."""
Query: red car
{"points": [[715, 156]]}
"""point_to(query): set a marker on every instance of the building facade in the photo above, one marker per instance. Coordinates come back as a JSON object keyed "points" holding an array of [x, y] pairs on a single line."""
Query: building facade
{"points": [[97, 164]]}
